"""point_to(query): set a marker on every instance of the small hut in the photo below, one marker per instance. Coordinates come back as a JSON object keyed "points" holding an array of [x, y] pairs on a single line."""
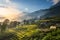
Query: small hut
{"points": [[53, 27]]}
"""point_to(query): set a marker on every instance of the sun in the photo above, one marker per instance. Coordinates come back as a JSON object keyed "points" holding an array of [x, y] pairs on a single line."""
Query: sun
{"points": [[10, 13]]}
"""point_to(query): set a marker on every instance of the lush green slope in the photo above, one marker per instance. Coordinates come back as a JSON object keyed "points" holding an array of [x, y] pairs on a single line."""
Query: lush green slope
{"points": [[30, 33]]}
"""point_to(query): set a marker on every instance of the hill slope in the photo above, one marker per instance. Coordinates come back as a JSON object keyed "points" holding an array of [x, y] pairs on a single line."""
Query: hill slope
{"points": [[54, 11]]}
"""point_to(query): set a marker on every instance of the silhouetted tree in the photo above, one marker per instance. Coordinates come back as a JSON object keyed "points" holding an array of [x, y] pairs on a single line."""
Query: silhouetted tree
{"points": [[24, 21], [18, 23], [14, 23], [4, 25]]}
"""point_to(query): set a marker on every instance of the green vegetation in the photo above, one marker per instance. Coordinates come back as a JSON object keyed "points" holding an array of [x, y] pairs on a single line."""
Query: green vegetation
{"points": [[29, 31], [53, 35]]}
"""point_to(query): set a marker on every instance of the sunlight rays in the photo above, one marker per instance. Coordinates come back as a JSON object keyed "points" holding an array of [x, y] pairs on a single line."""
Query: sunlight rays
{"points": [[10, 13]]}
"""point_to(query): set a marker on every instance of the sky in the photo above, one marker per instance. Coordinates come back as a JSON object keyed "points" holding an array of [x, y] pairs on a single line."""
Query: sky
{"points": [[15, 8], [28, 5], [34, 5]]}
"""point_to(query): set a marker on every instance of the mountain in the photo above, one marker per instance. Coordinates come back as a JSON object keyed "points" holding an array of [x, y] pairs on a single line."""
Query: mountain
{"points": [[36, 14], [54, 11]]}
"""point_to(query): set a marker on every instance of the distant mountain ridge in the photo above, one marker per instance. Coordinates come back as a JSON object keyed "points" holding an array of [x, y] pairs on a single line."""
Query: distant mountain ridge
{"points": [[43, 13], [50, 12], [53, 11], [36, 14]]}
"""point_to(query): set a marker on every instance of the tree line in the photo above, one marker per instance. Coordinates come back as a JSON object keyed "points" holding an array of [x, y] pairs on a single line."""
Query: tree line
{"points": [[7, 24]]}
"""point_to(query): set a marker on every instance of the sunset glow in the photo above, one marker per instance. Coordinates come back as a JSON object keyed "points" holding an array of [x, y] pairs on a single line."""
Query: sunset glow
{"points": [[10, 13]]}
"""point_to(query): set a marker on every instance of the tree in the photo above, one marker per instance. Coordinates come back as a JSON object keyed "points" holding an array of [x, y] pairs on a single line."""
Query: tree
{"points": [[4, 25], [18, 23], [14, 23], [24, 21]]}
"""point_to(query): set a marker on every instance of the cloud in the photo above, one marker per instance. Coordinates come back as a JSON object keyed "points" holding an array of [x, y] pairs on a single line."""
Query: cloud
{"points": [[10, 13], [55, 1], [8, 9], [5, 1], [26, 9], [8, 1]]}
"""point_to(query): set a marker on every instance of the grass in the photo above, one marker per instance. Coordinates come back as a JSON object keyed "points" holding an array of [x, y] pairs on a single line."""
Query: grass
{"points": [[29, 32]]}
